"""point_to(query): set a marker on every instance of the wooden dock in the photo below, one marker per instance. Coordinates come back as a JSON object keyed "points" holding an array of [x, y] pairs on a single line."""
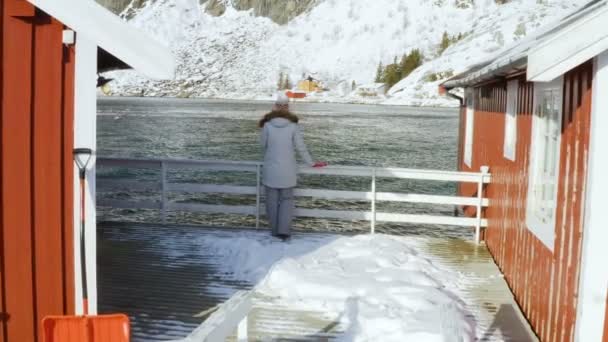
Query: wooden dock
{"points": [[164, 288]]}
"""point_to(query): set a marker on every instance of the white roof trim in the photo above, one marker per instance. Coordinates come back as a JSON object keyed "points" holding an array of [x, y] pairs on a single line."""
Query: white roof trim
{"points": [[569, 47], [114, 35]]}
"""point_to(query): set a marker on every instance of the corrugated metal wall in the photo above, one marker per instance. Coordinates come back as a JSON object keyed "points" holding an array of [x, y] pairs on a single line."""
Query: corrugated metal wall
{"points": [[544, 282], [36, 171]]}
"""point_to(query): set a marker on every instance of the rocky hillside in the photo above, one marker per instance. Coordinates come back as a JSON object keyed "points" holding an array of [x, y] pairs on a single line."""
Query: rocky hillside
{"points": [[230, 49], [281, 12], [117, 6]]}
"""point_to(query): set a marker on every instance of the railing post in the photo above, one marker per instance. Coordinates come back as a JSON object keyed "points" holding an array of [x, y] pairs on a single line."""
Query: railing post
{"points": [[373, 223], [163, 190], [241, 332], [257, 197], [484, 171]]}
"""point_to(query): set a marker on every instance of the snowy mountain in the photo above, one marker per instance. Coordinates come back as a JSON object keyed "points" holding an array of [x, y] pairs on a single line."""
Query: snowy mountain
{"points": [[240, 54]]}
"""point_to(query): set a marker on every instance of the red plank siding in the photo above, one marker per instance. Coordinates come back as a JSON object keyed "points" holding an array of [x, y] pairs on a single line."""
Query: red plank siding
{"points": [[36, 173], [543, 282], [17, 187], [47, 168], [3, 316], [67, 182]]}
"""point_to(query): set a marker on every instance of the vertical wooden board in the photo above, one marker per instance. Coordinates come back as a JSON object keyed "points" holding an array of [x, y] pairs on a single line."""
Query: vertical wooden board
{"points": [[461, 125], [573, 217], [573, 165], [568, 227], [579, 143], [68, 178], [560, 225], [16, 187], [2, 294], [47, 167]]}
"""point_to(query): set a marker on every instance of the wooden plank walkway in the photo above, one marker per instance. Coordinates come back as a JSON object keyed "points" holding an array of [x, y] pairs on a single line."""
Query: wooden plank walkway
{"points": [[164, 287]]}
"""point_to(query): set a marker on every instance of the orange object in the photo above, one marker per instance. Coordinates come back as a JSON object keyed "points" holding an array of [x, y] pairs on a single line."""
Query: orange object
{"points": [[295, 94], [103, 328]]}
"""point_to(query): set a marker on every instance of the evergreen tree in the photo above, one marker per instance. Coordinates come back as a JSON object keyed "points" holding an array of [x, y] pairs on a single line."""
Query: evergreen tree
{"points": [[354, 85], [392, 74], [445, 42], [280, 82], [380, 73], [398, 70], [402, 65], [413, 61], [288, 84]]}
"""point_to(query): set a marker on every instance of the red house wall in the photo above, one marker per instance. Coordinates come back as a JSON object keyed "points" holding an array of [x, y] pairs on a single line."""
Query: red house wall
{"points": [[36, 133], [543, 282]]}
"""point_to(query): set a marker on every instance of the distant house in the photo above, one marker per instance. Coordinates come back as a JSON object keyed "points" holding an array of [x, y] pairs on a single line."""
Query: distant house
{"points": [[537, 115], [372, 89], [52, 52], [308, 85]]}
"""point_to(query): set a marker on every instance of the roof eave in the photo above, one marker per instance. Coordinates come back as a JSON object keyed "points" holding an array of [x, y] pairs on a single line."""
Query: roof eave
{"points": [[502, 69], [112, 34], [569, 47]]}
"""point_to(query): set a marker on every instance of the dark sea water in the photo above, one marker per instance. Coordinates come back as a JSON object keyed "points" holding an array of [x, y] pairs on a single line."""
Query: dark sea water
{"points": [[340, 134]]}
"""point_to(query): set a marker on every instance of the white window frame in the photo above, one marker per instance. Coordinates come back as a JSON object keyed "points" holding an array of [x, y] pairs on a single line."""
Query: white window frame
{"points": [[469, 126], [544, 172], [510, 144]]}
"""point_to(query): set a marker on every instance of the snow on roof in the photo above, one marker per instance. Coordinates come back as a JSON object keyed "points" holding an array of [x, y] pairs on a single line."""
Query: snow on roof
{"points": [[112, 34], [515, 57]]}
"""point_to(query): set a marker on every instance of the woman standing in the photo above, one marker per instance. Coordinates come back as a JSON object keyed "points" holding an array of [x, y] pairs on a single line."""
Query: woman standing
{"points": [[280, 137]]}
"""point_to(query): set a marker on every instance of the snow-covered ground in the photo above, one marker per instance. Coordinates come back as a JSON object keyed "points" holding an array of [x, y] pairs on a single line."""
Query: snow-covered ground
{"points": [[382, 288], [240, 56]]}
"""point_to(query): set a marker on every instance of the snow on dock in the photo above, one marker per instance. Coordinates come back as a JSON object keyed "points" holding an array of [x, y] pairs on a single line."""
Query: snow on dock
{"points": [[316, 287]]}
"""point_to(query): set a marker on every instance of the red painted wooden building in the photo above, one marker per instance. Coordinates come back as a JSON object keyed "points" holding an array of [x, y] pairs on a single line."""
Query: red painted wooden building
{"points": [[537, 115], [49, 52]]}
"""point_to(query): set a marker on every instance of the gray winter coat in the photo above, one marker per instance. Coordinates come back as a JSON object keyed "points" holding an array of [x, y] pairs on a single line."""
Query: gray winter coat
{"points": [[280, 138]]}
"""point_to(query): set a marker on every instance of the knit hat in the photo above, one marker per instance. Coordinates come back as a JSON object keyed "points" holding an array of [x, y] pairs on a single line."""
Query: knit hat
{"points": [[281, 102]]}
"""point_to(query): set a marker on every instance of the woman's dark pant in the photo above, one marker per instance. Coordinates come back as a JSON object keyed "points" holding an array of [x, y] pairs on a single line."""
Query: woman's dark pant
{"points": [[279, 210]]}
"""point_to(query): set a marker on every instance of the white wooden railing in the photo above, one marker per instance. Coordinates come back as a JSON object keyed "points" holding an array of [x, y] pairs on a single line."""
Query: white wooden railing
{"points": [[165, 187], [232, 314]]}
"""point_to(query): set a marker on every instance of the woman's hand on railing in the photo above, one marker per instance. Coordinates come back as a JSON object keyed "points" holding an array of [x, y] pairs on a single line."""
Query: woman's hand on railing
{"points": [[319, 164]]}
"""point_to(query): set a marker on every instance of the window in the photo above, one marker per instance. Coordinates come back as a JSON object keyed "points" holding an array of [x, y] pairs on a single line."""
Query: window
{"points": [[544, 162], [511, 121], [468, 138]]}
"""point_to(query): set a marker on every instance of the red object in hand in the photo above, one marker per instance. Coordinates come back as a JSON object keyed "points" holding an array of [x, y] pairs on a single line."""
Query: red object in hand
{"points": [[320, 164]]}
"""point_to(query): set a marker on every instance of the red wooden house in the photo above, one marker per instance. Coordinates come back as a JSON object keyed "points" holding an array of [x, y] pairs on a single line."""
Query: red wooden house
{"points": [[49, 51], [537, 114]]}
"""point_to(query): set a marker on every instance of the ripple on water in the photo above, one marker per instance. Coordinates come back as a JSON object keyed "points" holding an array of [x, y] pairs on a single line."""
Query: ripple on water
{"points": [[345, 134]]}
